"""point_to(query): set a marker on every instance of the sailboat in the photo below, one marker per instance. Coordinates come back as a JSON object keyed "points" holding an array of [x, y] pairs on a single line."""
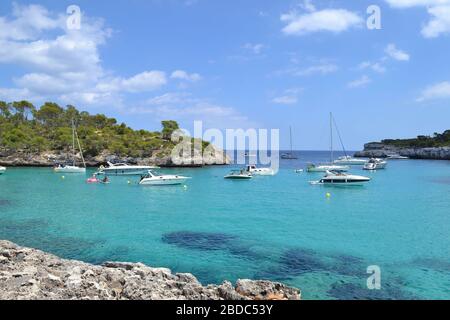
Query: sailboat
{"points": [[346, 160], [289, 155], [73, 168], [331, 166]]}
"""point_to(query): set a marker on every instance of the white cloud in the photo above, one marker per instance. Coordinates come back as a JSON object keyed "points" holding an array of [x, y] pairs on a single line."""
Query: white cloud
{"points": [[374, 66], [415, 3], [361, 82], [184, 107], [145, 81], [333, 20], [65, 65], [285, 100], [255, 48], [183, 75], [440, 22], [397, 54], [439, 11], [317, 69], [437, 91], [289, 97]]}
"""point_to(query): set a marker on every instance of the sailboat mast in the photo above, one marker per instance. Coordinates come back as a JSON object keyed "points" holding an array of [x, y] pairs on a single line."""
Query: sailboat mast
{"points": [[331, 138], [290, 135], [81, 150], [73, 143]]}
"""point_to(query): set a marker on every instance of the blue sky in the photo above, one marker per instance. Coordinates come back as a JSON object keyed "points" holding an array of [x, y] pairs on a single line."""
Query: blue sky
{"points": [[238, 64]]}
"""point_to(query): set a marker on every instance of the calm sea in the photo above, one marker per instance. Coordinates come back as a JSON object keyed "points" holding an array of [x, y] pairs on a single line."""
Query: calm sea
{"points": [[278, 228]]}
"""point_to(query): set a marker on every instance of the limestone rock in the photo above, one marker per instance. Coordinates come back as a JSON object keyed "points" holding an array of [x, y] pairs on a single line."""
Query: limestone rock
{"points": [[29, 274]]}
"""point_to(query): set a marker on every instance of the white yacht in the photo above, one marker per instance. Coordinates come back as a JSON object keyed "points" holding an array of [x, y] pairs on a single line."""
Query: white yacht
{"points": [[2, 170], [330, 166], [341, 178], [239, 175], [69, 169], [253, 169], [348, 160], [73, 168], [375, 164], [123, 169], [396, 157], [326, 167], [154, 179]]}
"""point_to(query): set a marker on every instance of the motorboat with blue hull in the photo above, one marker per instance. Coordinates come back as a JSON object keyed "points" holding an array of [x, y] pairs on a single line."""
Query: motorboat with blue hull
{"points": [[340, 178]]}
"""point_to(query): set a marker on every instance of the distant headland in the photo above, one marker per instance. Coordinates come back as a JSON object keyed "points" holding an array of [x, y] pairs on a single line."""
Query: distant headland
{"points": [[43, 137], [436, 147]]}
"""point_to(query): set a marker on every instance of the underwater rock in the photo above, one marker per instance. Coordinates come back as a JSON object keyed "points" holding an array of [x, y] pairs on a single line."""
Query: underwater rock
{"points": [[198, 240], [352, 291], [32, 274], [4, 203]]}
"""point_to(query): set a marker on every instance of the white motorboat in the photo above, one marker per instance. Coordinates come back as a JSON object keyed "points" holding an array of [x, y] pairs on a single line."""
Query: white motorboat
{"points": [[375, 164], [154, 179], [239, 175], [69, 169], [341, 178], [396, 157], [2, 170], [65, 168], [326, 167], [254, 170], [123, 169], [350, 161]]}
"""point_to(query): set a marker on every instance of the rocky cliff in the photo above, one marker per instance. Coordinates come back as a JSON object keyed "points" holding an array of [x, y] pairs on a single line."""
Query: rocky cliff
{"points": [[381, 150], [31, 274], [23, 158]]}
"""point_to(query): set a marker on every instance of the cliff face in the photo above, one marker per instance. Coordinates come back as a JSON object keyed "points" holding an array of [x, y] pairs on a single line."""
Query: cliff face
{"points": [[31, 274], [380, 150], [49, 159]]}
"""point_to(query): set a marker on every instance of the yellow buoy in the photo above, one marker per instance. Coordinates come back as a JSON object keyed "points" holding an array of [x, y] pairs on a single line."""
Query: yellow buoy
{"points": [[328, 195], [129, 182], [63, 177]]}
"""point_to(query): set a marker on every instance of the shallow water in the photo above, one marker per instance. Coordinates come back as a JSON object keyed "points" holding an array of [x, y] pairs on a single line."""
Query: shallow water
{"points": [[278, 228]]}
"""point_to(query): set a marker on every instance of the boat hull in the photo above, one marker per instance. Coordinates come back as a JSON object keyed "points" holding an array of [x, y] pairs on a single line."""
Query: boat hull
{"points": [[70, 170], [125, 172], [163, 181], [2, 170], [355, 162], [327, 168]]}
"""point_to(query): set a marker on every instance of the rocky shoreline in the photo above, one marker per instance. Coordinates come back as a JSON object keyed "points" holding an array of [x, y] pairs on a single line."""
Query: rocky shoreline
{"points": [[22, 158], [381, 150], [30, 274]]}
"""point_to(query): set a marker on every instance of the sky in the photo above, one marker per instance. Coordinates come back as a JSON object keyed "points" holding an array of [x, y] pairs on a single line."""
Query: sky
{"points": [[237, 64]]}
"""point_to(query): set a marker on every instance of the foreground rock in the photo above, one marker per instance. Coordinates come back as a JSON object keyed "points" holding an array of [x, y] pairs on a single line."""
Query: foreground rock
{"points": [[381, 150], [32, 274]]}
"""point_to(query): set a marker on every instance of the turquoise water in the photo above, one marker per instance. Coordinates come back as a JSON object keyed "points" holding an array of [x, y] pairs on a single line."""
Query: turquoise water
{"points": [[279, 228]]}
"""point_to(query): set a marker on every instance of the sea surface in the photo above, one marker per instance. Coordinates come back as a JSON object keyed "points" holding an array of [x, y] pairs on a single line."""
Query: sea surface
{"points": [[279, 228]]}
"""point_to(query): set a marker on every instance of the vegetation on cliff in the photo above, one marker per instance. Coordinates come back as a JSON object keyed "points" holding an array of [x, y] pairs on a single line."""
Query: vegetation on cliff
{"points": [[48, 128], [437, 140]]}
